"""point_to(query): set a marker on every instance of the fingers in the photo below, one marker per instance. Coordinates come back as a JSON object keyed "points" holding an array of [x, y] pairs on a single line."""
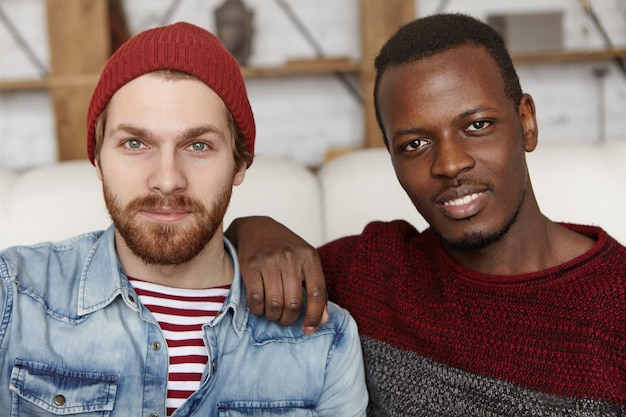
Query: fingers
{"points": [[275, 289], [255, 290], [290, 297], [274, 294], [317, 296], [274, 263], [292, 289], [274, 286]]}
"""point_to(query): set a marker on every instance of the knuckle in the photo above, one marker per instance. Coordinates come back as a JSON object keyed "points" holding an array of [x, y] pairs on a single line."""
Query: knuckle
{"points": [[293, 305], [285, 253], [314, 254], [255, 261], [275, 304], [318, 294], [310, 322], [254, 298], [307, 253], [289, 253]]}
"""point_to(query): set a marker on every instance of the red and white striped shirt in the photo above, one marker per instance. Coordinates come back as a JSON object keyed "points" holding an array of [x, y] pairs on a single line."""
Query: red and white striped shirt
{"points": [[181, 314]]}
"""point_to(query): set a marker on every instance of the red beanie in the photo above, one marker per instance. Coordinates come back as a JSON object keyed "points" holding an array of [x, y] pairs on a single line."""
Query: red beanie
{"points": [[183, 47]]}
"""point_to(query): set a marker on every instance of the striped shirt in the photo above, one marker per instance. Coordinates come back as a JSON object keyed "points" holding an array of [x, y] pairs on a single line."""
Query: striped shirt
{"points": [[181, 313]]}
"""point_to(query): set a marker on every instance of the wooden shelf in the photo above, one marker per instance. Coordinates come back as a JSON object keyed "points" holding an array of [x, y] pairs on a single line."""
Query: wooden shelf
{"points": [[291, 68], [75, 70], [52, 81], [566, 56], [309, 67], [19, 85], [304, 67]]}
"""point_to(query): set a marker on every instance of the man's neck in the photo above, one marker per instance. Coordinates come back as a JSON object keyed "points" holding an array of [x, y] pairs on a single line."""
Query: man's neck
{"points": [[526, 250], [210, 268]]}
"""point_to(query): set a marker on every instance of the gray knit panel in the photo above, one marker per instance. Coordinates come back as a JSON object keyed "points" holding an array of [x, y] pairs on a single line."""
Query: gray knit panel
{"points": [[402, 383]]}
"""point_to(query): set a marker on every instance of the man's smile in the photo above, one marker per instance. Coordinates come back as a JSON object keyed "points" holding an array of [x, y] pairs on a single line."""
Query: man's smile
{"points": [[462, 204]]}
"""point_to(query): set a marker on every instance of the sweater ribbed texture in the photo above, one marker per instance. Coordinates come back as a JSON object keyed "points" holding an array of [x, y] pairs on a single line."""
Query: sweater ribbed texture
{"points": [[440, 340]]}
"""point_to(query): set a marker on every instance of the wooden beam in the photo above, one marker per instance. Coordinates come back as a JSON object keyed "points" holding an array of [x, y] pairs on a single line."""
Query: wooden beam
{"points": [[79, 39], [379, 20]]}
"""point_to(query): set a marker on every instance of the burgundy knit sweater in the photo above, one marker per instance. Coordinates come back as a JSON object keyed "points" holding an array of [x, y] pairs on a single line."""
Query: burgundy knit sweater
{"points": [[441, 340]]}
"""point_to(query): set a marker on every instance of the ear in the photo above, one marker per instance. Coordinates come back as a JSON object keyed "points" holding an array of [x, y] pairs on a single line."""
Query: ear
{"points": [[96, 163], [528, 118], [240, 174]]}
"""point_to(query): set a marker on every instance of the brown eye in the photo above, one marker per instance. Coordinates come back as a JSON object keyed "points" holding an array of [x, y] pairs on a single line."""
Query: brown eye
{"points": [[414, 145], [479, 125]]}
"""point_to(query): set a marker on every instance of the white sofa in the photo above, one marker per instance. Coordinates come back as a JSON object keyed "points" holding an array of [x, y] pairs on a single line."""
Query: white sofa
{"points": [[580, 183]]}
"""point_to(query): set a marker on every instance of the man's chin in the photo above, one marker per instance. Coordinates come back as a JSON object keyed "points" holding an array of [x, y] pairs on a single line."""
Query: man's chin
{"points": [[476, 240], [166, 244], [167, 254], [472, 242], [163, 259]]}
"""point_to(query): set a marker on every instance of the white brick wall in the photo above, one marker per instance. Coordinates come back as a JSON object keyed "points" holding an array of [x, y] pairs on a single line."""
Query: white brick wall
{"points": [[568, 95], [305, 116]]}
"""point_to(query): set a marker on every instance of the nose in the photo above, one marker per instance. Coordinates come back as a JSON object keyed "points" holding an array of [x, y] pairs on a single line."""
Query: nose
{"points": [[167, 176], [451, 157]]}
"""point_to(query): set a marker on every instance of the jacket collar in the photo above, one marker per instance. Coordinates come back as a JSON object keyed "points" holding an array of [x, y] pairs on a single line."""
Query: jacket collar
{"points": [[101, 277], [237, 300], [103, 280]]}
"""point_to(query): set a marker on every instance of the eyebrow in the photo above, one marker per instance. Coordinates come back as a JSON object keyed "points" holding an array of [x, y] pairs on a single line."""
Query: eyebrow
{"points": [[194, 132], [418, 130], [190, 133], [474, 111], [407, 132]]}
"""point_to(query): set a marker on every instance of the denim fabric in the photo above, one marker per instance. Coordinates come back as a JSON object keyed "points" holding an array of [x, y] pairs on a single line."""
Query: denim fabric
{"points": [[75, 340]]}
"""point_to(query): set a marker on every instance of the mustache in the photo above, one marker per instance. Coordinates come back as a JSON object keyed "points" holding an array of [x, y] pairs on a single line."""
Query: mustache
{"points": [[177, 202], [464, 182]]}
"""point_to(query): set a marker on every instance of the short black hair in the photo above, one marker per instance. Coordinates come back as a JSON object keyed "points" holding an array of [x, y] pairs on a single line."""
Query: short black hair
{"points": [[438, 33]]}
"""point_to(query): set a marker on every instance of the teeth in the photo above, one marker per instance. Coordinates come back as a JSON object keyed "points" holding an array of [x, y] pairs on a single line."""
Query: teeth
{"points": [[460, 201]]}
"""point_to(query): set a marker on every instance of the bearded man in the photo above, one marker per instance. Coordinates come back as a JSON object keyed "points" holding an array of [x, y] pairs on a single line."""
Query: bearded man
{"points": [[150, 317]]}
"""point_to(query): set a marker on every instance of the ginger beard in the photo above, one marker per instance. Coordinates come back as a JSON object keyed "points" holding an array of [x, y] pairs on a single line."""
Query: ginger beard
{"points": [[164, 243]]}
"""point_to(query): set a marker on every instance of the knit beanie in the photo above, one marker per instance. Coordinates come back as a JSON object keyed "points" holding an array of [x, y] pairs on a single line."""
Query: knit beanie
{"points": [[183, 47]]}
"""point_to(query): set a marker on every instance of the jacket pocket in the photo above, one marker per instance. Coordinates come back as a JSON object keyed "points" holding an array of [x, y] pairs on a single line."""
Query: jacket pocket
{"points": [[266, 409], [41, 390]]}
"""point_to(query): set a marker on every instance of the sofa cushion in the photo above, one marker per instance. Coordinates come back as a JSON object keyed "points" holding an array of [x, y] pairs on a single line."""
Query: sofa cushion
{"points": [[54, 202], [576, 183], [581, 183], [360, 187], [285, 190]]}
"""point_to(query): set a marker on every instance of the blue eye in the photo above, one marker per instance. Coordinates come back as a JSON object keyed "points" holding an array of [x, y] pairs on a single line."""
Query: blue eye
{"points": [[198, 146], [134, 144]]}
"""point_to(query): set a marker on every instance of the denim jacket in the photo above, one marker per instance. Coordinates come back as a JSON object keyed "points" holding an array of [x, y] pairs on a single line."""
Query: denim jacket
{"points": [[76, 341]]}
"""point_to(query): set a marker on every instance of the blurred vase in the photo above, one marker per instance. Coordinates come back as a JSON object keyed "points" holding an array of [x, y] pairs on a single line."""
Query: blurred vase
{"points": [[234, 28]]}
